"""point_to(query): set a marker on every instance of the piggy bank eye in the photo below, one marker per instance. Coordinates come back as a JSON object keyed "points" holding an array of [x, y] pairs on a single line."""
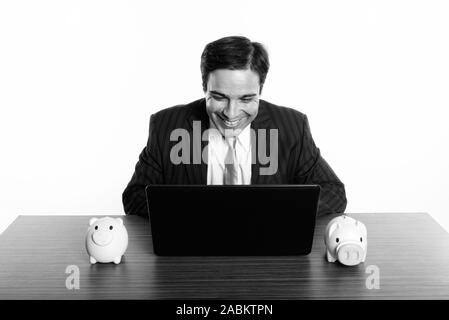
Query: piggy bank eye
{"points": [[110, 228], [337, 240], [360, 239], [96, 227]]}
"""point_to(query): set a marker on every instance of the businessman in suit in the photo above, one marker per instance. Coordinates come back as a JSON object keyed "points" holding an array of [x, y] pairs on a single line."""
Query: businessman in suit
{"points": [[227, 122]]}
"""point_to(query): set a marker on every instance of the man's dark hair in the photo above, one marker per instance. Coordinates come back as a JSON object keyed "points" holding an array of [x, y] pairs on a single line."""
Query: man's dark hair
{"points": [[234, 53]]}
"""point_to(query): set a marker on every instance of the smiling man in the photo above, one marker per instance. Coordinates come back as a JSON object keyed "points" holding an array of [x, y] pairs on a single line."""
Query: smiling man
{"points": [[224, 137]]}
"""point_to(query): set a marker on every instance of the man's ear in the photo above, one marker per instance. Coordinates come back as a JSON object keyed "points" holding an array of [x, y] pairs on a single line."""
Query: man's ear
{"points": [[92, 221], [120, 221]]}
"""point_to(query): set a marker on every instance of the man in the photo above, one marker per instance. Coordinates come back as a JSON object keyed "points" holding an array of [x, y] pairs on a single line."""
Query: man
{"points": [[223, 144]]}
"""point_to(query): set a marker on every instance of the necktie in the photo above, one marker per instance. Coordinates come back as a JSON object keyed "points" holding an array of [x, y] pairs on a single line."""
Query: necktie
{"points": [[231, 164]]}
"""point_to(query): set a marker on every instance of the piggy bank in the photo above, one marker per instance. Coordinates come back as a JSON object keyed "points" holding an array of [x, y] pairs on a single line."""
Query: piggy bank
{"points": [[106, 240], [346, 241]]}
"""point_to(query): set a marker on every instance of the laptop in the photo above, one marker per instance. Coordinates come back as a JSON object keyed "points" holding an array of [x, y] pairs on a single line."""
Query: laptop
{"points": [[232, 220]]}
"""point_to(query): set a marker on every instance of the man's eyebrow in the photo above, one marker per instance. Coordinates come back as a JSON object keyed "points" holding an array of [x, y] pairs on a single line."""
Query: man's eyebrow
{"points": [[245, 96]]}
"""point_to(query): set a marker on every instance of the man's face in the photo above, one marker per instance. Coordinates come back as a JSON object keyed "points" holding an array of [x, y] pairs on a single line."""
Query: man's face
{"points": [[232, 99]]}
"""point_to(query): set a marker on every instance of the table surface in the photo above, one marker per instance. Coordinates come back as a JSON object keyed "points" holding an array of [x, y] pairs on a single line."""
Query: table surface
{"points": [[410, 250]]}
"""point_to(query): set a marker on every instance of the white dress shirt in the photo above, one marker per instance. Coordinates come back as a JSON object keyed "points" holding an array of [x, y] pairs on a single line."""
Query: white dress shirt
{"points": [[217, 150]]}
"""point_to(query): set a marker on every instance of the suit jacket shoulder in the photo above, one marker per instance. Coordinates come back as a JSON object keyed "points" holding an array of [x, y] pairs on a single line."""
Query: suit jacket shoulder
{"points": [[177, 116], [290, 123], [281, 115]]}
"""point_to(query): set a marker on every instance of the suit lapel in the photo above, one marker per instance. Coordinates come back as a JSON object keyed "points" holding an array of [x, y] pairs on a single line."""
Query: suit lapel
{"points": [[197, 172], [260, 122]]}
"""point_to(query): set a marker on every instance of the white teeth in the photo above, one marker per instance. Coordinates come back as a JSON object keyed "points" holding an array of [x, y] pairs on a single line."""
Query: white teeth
{"points": [[231, 123]]}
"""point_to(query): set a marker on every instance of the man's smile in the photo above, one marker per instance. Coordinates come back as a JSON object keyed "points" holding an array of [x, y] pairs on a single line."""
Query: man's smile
{"points": [[231, 123]]}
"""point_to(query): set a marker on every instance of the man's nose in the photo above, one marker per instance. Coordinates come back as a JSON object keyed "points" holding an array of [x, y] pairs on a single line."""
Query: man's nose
{"points": [[232, 109]]}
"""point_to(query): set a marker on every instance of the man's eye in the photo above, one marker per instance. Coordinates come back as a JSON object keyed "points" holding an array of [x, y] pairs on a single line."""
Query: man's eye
{"points": [[218, 98], [246, 100]]}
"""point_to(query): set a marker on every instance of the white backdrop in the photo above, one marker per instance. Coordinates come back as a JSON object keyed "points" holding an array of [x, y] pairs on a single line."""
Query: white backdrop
{"points": [[80, 79]]}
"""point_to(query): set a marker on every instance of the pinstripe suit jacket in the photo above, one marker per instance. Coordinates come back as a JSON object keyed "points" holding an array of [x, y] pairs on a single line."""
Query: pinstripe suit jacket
{"points": [[299, 160]]}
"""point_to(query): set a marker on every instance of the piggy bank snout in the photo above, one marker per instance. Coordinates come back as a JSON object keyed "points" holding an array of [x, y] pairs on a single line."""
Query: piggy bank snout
{"points": [[350, 253], [102, 238]]}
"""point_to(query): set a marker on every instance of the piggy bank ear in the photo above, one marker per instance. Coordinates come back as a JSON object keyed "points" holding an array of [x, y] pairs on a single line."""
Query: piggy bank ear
{"points": [[119, 221], [362, 227], [92, 221], [333, 227]]}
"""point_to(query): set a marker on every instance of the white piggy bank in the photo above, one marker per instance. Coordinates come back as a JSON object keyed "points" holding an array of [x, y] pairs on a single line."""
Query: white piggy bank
{"points": [[106, 240], [346, 240]]}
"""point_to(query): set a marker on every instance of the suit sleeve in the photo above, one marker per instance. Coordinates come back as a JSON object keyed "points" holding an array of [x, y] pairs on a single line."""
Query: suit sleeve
{"points": [[148, 170], [313, 169]]}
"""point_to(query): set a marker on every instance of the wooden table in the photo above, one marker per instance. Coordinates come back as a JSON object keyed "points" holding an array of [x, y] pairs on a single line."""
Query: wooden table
{"points": [[410, 249]]}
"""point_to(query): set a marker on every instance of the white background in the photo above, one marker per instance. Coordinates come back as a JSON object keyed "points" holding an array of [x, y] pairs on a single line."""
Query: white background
{"points": [[80, 79]]}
